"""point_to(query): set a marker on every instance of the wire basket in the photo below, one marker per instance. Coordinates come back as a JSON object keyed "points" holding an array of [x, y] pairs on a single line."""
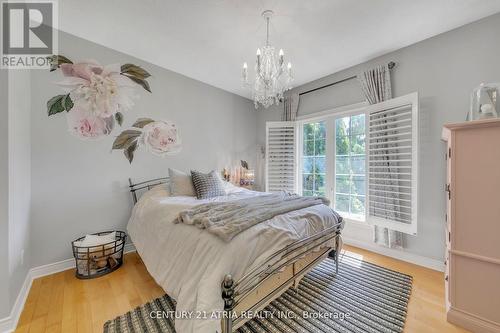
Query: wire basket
{"points": [[98, 260]]}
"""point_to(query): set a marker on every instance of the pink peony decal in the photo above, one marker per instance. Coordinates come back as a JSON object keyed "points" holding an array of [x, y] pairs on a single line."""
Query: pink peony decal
{"points": [[87, 126], [102, 91], [99, 94], [158, 137]]}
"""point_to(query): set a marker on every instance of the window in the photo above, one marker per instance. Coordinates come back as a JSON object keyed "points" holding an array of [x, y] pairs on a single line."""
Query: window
{"points": [[364, 160], [314, 159], [350, 161], [347, 173]]}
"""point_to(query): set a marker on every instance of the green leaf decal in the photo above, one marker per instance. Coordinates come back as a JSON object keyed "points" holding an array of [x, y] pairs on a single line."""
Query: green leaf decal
{"points": [[67, 103], [57, 60], [143, 83], [141, 122], [136, 74], [129, 151], [135, 71], [55, 105], [125, 139], [119, 118]]}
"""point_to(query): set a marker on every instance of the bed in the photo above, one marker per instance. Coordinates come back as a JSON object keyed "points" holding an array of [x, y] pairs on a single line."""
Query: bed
{"points": [[217, 285]]}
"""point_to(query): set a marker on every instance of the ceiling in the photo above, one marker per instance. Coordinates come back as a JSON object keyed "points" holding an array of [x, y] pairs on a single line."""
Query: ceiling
{"points": [[208, 40]]}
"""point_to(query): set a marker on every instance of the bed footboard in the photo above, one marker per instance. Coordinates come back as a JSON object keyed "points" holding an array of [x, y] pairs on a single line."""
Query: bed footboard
{"points": [[282, 270]]}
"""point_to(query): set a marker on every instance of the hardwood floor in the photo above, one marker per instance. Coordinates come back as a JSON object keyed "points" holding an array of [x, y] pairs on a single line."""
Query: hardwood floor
{"points": [[62, 303]]}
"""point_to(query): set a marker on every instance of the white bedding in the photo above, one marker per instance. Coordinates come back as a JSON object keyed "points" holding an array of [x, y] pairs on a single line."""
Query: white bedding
{"points": [[190, 263]]}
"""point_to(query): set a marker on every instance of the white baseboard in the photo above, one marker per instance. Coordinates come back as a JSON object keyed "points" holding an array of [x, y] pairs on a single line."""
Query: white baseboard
{"points": [[6, 325], [416, 259], [9, 324]]}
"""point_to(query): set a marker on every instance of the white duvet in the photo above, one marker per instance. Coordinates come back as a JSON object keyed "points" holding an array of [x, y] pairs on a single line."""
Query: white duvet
{"points": [[190, 263]]}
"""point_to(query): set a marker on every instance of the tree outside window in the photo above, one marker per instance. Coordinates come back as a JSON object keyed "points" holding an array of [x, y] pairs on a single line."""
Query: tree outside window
{"points": [[314, 159], [350, 173]]}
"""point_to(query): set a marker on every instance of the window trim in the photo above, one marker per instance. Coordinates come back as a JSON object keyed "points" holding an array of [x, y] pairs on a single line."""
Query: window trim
{"points": [[329, 116]]}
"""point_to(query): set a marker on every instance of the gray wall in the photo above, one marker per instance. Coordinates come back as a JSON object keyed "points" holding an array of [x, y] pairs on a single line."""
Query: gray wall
{"points": [[19, 179], [444, 70], [4, 197], [81, 186]]}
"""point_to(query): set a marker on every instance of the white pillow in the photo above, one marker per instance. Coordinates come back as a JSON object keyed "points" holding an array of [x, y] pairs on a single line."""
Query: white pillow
{"points": [[230, 187], [181, 183], [160, 189]]}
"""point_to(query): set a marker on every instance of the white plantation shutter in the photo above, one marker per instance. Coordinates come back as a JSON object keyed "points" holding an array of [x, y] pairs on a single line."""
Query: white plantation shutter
{"points": [[281, 153], [392, 163]]}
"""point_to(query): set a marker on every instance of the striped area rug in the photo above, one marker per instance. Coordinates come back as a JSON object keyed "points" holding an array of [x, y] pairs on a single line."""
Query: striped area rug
{"points": [[363, 297]]}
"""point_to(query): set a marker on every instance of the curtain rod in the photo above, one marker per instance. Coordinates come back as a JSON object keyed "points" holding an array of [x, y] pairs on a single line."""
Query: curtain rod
{"points": [[390, 65]]}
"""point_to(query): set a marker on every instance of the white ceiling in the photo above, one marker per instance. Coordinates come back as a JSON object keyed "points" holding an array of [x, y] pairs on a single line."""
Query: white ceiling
{"points": [[208, 40]]}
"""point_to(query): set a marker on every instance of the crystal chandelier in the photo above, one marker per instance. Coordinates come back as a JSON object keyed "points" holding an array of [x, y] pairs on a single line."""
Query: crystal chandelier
{"points": [[272, 76]]}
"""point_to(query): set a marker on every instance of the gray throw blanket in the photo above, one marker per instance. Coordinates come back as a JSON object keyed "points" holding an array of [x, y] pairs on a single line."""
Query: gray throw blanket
{"points": [[227, 219]]}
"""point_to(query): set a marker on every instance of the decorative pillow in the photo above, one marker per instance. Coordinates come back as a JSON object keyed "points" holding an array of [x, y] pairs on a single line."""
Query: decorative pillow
{"points": [[207, 185], [181, 183]]}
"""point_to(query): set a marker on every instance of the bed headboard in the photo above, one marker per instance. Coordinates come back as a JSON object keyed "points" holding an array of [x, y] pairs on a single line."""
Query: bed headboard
{"points": [[139, 188]]}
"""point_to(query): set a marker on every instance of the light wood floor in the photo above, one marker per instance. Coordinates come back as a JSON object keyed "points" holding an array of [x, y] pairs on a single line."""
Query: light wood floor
{"points": [[62, 303]]}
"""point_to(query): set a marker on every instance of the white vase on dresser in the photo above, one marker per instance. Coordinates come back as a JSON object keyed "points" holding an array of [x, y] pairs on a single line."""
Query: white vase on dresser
{"points": [[472, 277]]}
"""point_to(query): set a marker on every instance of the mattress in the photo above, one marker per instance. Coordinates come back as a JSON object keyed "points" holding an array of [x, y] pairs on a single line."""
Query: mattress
{"points": [[190, 263]]}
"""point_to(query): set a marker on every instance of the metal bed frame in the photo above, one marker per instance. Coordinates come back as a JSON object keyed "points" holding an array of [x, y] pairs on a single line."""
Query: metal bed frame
{"points": [[234, 293]]}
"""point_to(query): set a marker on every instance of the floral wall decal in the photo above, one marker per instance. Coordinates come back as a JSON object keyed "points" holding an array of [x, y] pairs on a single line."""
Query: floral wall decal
{"points": [[158, 137], [95, 96]]}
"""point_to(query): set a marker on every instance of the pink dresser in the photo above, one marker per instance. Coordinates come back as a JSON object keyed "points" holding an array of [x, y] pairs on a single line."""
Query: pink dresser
{"points": [[472, 276]]}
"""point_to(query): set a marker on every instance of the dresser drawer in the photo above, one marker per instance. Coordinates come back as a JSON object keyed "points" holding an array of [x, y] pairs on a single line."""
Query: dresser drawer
{"points": [[474, 286]]}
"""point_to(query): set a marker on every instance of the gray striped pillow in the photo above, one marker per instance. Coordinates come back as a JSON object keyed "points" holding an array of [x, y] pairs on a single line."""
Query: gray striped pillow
{"points": [[207, 185]]}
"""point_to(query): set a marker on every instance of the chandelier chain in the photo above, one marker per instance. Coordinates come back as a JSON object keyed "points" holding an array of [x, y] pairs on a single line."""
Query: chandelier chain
{"points": [[267, 34]]}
